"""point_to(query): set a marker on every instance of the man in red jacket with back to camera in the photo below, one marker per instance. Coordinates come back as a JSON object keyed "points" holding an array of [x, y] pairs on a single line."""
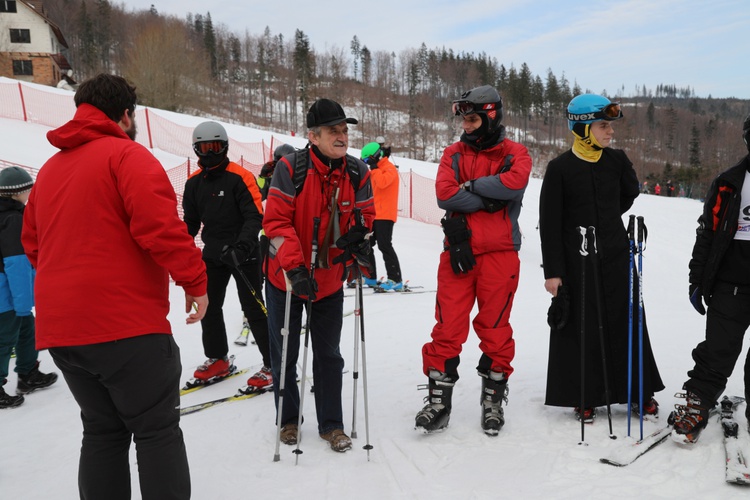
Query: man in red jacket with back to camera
{"points": [[102, 230]]}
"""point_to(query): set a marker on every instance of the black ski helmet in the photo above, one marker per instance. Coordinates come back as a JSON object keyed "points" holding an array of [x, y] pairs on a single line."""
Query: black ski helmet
{"points": [[746, 132], [283, 150], [484, 101]]}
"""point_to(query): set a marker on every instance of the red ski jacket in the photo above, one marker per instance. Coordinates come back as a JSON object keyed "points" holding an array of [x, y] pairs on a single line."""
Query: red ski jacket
{"points": [[288, 219], [102, 230], [467, 175]]}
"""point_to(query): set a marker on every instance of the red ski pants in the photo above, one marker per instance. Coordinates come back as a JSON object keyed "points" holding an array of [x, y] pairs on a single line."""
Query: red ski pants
{"points": [[492, 284]]}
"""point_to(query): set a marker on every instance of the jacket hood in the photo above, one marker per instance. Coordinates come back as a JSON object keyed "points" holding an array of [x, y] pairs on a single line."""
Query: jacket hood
{"points": [[88, 124]]}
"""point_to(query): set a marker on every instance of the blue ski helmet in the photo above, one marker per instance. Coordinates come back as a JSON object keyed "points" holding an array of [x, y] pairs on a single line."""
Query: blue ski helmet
{"points": [[589, 108]]}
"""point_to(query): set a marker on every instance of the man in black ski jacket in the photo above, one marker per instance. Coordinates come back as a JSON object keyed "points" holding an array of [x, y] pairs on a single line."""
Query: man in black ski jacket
{"points": [[224, 199], [720, 277]]}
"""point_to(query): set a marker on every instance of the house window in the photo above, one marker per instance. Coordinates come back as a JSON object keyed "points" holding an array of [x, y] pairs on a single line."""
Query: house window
{"points": [[23, 68], [20, 36], [8, 6]]}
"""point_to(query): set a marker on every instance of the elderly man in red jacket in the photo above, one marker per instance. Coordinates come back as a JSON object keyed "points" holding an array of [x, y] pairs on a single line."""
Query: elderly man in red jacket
{"points": [[102, 230]]}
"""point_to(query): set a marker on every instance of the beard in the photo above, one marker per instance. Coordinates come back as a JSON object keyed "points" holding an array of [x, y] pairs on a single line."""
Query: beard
{"points": [[132, 130]]}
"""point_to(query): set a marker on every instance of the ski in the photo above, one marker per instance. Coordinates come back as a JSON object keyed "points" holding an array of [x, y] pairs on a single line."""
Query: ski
{"points": [[189, 410], [630, 452], [244, 334], [737, 469]]}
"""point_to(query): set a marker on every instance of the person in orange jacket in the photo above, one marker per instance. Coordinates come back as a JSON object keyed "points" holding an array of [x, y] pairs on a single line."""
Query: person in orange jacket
{"points": [[385, 180]]}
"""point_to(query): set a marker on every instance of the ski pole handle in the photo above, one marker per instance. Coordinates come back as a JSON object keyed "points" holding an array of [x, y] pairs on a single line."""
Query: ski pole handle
{"points": [[631, 228], [642, 231]]}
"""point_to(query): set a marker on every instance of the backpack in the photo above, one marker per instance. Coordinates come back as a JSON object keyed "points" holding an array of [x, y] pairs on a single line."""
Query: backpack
{"points": [[301, 160]]}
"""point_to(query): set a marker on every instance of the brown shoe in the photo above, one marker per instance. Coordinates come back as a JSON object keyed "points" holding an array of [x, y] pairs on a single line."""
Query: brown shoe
{"points": [[338, 440], [289, 434]]}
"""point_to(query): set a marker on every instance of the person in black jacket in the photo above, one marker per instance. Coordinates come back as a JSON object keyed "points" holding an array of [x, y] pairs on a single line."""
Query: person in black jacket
{"points": [[720, 277], [225, 198], [591, 184]]}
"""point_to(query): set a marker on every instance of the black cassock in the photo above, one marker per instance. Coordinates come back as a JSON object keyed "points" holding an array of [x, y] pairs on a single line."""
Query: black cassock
{"points": [[579, 193]]}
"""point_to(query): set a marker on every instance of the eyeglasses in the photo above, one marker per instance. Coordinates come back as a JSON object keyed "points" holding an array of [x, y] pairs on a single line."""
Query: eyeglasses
{"points": [[608, 113], [202, 148], [463, 108]]}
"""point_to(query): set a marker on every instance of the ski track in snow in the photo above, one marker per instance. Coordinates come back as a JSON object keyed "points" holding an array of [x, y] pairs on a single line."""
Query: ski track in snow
{"points": [[536, 455]]}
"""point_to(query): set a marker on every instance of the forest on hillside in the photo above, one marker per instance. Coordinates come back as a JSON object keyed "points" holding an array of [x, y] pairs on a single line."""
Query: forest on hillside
{"points": [[267, 80]]}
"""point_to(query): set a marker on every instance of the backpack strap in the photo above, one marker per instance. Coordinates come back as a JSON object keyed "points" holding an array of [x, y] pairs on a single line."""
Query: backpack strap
{"points": [[301, 160]]}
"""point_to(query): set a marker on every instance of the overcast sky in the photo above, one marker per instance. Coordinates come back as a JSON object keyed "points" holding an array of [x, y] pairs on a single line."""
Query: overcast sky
{"points": [[603, 45]]}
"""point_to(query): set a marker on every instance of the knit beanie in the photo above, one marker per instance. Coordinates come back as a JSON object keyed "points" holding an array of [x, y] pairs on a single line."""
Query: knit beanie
{"points": [[14, 180]]}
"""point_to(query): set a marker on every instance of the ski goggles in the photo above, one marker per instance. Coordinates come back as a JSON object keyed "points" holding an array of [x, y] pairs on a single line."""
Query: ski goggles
{"points": [[203, 148], [609, 112], [463, 108]]}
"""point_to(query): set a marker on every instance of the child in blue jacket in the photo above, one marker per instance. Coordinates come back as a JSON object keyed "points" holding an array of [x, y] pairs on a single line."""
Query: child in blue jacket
{"points": [[17, 292]]}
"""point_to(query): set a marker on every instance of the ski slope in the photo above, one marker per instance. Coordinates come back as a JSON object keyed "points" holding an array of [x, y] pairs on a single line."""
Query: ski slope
{"points": [[536, 455]]}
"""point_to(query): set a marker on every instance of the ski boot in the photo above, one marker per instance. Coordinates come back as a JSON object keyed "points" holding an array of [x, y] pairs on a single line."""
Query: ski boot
{"points": [[588, 415], [213, 368], [8, 401], [689, 419], [390, 285], [650, 408], [260, 382], [244, 334], [437, 412], [494, 392], [34, 380]]}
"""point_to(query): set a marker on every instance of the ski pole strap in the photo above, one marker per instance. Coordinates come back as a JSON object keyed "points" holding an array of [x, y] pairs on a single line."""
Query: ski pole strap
{"points": [[314, 255], [583, 250], [591, 235]]}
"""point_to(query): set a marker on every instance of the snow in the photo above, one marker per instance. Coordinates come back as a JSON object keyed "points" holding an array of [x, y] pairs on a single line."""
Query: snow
{"points": [[536, 455]]}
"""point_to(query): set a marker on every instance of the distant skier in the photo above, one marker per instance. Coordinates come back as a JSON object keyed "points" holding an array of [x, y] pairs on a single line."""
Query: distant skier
{"points": [[385, 184], [720, 277], [480, 183], [591, 184]]}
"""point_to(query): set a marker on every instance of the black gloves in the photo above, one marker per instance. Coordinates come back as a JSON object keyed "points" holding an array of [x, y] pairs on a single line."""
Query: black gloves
{"points": [[236, 254], [557, 315], [267, 169], [355, 243], [302, 283], [457, 234], [696, 298], [371, 162], [492, 205]]}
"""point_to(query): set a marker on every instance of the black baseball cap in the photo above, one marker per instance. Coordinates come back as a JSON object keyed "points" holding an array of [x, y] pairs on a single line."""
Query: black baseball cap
{"points": [[325, 113]]}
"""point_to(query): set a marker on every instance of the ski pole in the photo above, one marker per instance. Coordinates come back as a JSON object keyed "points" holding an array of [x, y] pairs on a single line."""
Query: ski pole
{"points": [[641, 233], [367, 446], [282, 382], [594, 256], [631, 249], [583, 253], [355, 372], [249, 286], [313, 261]]}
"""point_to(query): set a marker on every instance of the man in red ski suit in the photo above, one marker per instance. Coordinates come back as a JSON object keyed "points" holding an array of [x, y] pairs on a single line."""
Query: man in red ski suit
{"points": [[480, 183]]}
